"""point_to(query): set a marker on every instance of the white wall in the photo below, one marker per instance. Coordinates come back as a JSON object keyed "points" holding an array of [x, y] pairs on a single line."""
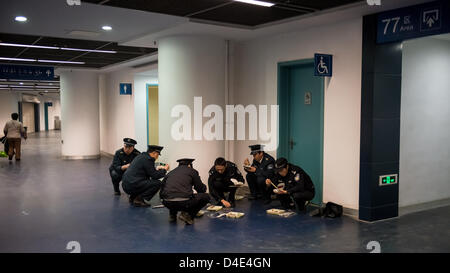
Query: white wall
{"points": [[425, 122], [190, 66], [255, 82], [116, 111], [8, 105]]}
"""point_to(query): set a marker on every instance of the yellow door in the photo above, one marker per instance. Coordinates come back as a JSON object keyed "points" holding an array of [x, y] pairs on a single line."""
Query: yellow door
{"points": [[152, 115]]}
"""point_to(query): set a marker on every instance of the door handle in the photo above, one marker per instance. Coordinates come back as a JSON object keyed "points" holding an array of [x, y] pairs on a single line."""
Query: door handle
{"points": [[291, 144]]}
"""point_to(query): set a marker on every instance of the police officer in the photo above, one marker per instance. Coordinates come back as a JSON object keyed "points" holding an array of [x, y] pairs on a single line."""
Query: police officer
{"points": [[177, 193], [219, 181], [297, 184], [121, 162], [141, 179], [261, 169]]}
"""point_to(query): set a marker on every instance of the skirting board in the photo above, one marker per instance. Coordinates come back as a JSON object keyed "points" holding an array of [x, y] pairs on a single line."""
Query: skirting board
{"points": [[424, 206]]}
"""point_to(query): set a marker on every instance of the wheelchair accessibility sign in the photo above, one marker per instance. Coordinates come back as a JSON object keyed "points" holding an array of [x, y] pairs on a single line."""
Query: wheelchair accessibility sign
{"points": [[323, 65]]}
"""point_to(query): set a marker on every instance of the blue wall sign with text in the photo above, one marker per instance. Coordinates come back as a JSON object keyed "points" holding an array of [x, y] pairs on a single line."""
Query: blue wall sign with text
{"points": [[125, 89], [23, 72], [413, 22], [323, 65]]}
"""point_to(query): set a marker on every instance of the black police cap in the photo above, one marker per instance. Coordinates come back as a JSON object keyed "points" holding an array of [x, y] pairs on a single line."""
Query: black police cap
{"points": [[256, 148], [154, 148], [129, 141], [281, 163], [185, 161]]}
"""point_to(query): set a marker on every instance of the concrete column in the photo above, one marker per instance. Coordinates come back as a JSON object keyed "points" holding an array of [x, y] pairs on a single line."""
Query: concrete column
{"points": [[80, 126], [188, 67]]}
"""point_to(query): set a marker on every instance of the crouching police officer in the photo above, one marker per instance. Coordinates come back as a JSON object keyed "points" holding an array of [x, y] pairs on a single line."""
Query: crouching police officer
{"points": [[141, 179], [297, 184], [261, 169], [177, 193], [121, 162], [220, 181]]}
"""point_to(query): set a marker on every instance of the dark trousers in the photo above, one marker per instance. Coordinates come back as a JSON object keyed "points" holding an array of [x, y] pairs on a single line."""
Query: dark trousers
{"points": [[219, 188], [192, 206], [145, 189], [14, 147], [299, 198], [115, 179], [257, 186]]}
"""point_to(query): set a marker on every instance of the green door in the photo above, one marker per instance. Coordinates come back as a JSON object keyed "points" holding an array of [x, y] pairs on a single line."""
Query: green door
{"points": [[46, 115], [304, 121]]}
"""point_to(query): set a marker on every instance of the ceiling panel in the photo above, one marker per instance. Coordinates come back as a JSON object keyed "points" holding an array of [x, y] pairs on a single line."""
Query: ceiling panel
{"points": [[91, 59]]}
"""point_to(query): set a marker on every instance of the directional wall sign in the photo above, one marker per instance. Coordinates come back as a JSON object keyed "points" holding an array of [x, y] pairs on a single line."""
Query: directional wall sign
{"points": [[386, 180], [23, 72], [125, 88], [413, 22], [323, 65]]}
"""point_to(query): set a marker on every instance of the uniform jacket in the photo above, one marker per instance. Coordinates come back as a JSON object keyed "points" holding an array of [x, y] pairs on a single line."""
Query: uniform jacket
{"points": [[121, 158], [142, 168], [179, 182], [296, 180], [231, 171], [266, 167]]}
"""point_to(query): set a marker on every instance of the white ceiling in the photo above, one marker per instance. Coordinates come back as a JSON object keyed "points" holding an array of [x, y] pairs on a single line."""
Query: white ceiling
{"points": [[55, 18]]}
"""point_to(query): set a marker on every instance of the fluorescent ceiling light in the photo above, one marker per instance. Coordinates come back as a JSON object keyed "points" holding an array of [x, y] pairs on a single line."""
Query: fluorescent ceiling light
{"points": [[254, 2], [21, 18], [31, 46], [107, 28], [88, 50], [41, 61], [62, 62], [62, 48], [17, 59]]}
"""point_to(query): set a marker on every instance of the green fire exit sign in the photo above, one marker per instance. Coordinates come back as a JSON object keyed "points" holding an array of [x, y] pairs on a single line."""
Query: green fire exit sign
{"points": [[388, 179]]}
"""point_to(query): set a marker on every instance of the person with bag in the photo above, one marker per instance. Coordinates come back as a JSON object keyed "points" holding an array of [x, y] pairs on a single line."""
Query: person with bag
{"points": [[14, 131]]}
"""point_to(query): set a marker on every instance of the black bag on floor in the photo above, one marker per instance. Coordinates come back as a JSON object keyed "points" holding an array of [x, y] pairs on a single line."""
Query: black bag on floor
{"points": [[331, 210]]}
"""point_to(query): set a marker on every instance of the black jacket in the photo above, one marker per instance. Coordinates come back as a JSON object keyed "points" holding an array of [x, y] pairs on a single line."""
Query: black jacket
{"points": [[231, 171], [179, 182], [142, 168], [266, 167], [121, 158], [296, 180]]}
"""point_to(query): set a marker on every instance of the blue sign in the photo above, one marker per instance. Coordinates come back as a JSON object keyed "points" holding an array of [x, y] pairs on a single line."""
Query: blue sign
{"points": [[414, 22], [22, 72], [125, 89], [323, 65]]}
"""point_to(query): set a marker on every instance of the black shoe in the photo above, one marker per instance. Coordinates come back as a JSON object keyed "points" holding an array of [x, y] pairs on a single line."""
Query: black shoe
{"points": [[267, 201], [252, 197], [117, 193], [10, 158], [172, 218], [186, 218]]}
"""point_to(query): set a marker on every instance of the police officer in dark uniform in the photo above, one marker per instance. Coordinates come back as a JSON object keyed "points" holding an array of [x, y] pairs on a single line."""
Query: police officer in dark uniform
{"points": [[297, 184], [261, 169], [177, 194], [219, 181], [141, 179], [121, 162]]}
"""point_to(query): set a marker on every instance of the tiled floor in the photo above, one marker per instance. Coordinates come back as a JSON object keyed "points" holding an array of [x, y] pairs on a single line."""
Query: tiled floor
{"points": [[46, 202]]}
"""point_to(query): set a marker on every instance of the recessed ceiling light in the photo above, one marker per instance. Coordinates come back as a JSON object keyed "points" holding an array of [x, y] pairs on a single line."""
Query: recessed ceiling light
{"points": [[21, 19], [107, 28], [21, 83], [255, 2]]}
